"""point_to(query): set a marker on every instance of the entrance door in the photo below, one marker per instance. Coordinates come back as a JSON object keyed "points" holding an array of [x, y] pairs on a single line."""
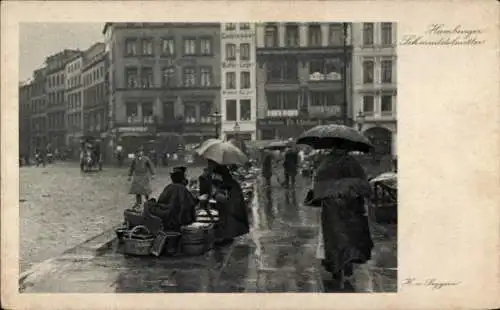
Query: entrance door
{"points": [[381, 138]]}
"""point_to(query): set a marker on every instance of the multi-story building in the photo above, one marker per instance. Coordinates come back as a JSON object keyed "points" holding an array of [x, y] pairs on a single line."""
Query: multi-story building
{"points": [[73, 99], [165, 82], [238, 89], [303, 77], [375, 88], [55, 89], [24, 118], [95, 91], [38, 109]]}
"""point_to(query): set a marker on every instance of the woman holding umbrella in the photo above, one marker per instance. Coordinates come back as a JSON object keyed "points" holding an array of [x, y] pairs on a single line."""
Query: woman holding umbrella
{"points": [[227, 192], [340, 188]]}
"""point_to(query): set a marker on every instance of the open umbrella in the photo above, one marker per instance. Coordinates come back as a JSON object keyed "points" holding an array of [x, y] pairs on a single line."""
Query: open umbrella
{"points": [[329, 136], [223, 153]]}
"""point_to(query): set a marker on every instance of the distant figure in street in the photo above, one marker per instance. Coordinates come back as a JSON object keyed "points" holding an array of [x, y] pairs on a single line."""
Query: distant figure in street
{"points": [[395, 164], [141, 171], [175, 205], [340, 188], [290, 165], [267, 166], [119, 155]]}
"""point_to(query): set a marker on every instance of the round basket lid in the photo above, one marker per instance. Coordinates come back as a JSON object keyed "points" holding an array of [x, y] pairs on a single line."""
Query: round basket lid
{"points": [[195, 226]]}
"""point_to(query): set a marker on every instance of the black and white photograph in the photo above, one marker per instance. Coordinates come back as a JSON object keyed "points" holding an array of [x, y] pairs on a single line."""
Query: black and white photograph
{"points": [[245, 157]]}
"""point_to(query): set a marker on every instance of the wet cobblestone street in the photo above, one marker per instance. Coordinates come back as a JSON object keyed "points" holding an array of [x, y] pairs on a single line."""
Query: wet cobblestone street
{"points": [[278, 255], [60, 207]]}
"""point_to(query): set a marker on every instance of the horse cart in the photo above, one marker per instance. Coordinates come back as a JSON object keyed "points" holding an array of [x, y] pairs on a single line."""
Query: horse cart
{"points": [[91, 157]]}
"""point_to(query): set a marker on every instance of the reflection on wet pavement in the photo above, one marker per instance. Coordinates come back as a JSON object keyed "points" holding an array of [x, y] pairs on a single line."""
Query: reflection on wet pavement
{"points": [[278, 255]]}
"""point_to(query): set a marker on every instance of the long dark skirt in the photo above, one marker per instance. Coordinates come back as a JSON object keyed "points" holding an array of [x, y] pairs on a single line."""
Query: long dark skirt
{"points": [[346, 234]]}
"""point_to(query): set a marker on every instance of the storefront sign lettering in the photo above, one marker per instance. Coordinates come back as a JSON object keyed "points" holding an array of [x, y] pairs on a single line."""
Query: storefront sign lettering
{"points": [[245, 35], [228, 65], [132, 129], [230, 92], [289, 122]]}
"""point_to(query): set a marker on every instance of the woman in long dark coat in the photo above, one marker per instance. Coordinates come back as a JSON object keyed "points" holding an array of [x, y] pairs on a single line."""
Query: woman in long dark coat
{"points": [[233, 215], [340, 188], [267, 166]]}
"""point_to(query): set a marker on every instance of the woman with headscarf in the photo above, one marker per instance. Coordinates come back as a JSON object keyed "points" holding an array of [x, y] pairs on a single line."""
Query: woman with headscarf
{"points": [[230, 204], [175, 205], [141, 171], [340, 188]]}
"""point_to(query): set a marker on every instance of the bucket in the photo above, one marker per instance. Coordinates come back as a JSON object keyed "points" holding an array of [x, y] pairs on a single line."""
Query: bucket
{"points": [[197, 239]]}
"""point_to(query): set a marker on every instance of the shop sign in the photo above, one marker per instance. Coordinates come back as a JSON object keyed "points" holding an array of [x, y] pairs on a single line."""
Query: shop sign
{"points": [[133, 129], [244, 35], [295, 122]]}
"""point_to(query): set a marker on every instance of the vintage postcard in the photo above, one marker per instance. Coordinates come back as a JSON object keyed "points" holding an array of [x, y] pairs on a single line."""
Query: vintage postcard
{"points": [[281, 154]]}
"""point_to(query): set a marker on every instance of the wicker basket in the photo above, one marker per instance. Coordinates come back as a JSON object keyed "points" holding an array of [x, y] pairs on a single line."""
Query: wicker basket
{"points": [[197, 240], [138, 244]]}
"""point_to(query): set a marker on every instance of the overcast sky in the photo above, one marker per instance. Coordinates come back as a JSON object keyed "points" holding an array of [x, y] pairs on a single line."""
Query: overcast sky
{"points": [[39, 40]]}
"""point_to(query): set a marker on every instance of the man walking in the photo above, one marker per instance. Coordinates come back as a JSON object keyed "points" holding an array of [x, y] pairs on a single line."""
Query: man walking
{"points": [[290, 166]]}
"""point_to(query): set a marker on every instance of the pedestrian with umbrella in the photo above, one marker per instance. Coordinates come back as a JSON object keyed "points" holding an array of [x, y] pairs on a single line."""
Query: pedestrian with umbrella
{"points": [[227, 192], [340, 188]]}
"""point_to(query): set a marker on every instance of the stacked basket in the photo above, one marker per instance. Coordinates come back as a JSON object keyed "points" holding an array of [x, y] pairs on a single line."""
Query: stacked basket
{"points": [[197, 238]]}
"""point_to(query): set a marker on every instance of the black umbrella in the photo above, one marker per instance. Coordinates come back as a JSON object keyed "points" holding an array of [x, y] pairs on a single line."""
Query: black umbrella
{"points": [[329, 136]]}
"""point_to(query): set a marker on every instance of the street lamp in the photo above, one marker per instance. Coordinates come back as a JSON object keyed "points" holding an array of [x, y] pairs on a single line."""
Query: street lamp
{"points": [[217, 117], [236, 130], [360, 120]]}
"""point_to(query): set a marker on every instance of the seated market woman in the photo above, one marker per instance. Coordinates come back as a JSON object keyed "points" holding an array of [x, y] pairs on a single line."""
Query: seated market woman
{"points": [[340, 188], [233, 216], [175, 205]]}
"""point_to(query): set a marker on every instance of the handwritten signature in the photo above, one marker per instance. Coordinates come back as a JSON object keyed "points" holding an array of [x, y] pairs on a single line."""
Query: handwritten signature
{"points": [[432, 283], [440, 34]]}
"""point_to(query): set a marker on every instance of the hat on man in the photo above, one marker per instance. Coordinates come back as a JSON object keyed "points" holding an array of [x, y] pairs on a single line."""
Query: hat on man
{"points": [[180, 169], [177, 176]]}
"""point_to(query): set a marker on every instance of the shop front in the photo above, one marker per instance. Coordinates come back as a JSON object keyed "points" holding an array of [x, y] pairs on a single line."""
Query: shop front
{"points": [[285, 128]]}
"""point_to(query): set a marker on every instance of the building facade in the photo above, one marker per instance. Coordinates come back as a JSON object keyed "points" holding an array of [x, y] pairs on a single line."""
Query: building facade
{"points": [[374, 79], [303, 77], [24, 118], [164, 81], [73, 99], [38, 110], [238, 87], [55, 92], [95, 79]]}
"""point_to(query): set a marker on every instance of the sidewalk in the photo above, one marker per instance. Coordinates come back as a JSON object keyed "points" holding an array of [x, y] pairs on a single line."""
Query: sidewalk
{"points": [[278, 255]]}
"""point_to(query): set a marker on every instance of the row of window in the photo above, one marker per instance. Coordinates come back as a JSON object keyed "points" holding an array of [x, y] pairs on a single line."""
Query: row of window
{"points": [[56, 120], [232, 50], [56, 80], [144, 78], [235, 26], [385, 70], [245, 80], [73, 66], [74, 121], [73, 81], [291, 100], [55, 98], [194, 112], [245, 110], [74, 101], [335, 35], [96, 121], [95, 95], [369, 34], [386, 104], [191, 46], [93, 75]]}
